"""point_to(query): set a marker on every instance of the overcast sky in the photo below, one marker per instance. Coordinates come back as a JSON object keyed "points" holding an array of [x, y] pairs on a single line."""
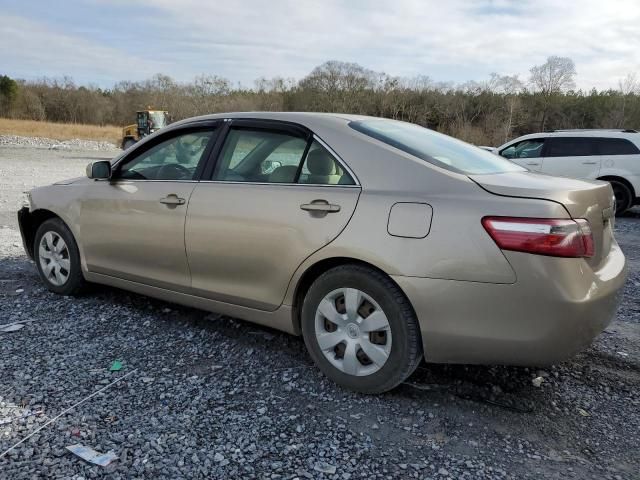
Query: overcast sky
{"points": [[104, 41]]}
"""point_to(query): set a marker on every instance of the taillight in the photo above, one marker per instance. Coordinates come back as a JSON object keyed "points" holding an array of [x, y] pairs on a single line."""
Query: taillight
{"points": [[542, 236]]}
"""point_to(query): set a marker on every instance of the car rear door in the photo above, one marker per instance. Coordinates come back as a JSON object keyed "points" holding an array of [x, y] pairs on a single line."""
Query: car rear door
{"points": [[132, 226], [575, 157], [263, 211]]}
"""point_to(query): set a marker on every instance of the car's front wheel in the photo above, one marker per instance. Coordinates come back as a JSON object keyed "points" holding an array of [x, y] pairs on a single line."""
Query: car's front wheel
{"points": [[57, 258], [360, 329]]}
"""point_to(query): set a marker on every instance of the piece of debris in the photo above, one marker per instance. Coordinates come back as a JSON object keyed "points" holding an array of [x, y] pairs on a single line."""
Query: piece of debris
{"points": [[115, 366], [19, 290], [584, 413], [623, 354], [12, 328], [537, 382], [90, 455], [324, 467], [21, 322]]}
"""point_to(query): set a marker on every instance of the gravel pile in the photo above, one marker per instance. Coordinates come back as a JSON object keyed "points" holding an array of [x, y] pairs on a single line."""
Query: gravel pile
{"points": [[51, 144], [212, 397]]}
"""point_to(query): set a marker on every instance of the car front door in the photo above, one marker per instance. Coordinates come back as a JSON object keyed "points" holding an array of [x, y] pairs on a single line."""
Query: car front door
{"points": [[132, 226], [527, 153], [575, 157], [276, 195]]}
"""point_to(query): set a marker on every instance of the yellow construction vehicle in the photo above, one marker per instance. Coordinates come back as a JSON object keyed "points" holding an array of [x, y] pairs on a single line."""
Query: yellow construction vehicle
{"points": [[148, 121]]}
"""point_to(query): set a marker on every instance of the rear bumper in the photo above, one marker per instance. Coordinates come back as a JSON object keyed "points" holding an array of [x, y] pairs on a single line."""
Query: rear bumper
{"points": [[555, 309], [26, 230]]}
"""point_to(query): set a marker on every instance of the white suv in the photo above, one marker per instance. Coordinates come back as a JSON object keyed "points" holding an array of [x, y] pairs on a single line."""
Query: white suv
{"points": [[611, 155]]}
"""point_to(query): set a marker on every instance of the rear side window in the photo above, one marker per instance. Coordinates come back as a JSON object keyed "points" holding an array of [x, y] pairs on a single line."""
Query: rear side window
{"points": [[616, 146], [264, 156], [438, 149], [570, 147], [260, 156]]}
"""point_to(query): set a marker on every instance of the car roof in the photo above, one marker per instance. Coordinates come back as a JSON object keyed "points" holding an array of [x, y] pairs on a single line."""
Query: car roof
{"points": [[311, 120], [599, 133], [372, 161]]}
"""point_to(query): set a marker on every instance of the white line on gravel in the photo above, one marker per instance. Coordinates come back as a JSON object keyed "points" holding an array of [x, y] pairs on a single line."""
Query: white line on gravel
{"points": [[66, 411]]}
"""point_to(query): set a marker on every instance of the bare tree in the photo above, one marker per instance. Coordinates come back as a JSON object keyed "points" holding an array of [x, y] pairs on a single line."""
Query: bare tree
{"points": [[509, 87], [628, 86], [554, 76]]}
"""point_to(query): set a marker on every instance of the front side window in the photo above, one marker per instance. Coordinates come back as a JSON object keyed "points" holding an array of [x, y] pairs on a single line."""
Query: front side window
{"points": [[531, 148], [438, 149], [616, 146], [173, 159], [570, 147]]}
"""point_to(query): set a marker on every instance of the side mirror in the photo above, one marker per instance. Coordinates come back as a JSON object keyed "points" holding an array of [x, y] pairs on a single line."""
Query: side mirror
{"points": [[99, 170]]}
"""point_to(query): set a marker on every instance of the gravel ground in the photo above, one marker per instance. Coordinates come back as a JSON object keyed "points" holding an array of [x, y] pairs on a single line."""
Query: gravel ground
{"points": [[51, 144], [212, 397]]}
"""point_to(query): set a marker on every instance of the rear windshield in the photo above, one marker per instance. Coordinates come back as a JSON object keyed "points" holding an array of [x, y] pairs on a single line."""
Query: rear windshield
{"points": [[435, 148]]}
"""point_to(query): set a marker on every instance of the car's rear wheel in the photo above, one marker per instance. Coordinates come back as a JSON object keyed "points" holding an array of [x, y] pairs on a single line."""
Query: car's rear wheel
{"points": [[360, 329], [623, 196], [57, 258]]}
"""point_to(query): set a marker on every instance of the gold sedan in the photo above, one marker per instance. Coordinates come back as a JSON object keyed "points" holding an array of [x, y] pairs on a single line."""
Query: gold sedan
{"points": [[381, 242]]}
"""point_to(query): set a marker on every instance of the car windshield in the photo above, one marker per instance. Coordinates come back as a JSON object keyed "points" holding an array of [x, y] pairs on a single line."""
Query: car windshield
{"points": [[435, 148]]}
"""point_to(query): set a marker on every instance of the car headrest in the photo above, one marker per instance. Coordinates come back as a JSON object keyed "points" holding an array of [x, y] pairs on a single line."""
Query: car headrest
{"points": [[320, 162], [283, 174]]}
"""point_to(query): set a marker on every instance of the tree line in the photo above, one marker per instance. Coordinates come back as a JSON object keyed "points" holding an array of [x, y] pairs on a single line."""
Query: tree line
{"points": [[487, 112]]}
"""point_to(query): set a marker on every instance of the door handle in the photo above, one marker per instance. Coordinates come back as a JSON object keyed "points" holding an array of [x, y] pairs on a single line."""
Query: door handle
{"points": [[589, 163], [533, 163], [320, 206], [172, 200]]}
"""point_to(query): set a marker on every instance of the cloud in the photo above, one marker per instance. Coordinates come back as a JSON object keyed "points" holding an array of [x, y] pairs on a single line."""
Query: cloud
{"points": [[455, 40], [32, 49]]}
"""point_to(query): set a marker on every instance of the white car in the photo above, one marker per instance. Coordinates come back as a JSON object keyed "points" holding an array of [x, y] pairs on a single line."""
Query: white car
{"points": [[610, 155]]}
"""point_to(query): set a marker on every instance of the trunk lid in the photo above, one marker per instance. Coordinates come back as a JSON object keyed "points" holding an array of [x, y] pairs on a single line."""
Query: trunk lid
{"points": [[591, 200]]}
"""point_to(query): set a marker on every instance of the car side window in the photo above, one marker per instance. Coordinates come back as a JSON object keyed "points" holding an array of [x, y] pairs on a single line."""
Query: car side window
{"points": [[570, 147], [616, 146], [321, 168], [531, 148], [260, 156], [173, 159]]}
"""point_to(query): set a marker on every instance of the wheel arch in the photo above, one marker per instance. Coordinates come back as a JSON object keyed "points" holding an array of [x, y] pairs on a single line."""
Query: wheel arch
{"points": [[627, 183], [314, 271], [30, 225]]}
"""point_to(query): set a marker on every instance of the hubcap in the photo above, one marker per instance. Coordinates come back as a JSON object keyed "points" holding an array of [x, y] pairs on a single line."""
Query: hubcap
{"points": [[353, 332], [54, 258]]}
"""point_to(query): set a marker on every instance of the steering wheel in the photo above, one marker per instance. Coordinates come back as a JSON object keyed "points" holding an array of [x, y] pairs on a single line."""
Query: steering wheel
{"points": [[169, 171]]}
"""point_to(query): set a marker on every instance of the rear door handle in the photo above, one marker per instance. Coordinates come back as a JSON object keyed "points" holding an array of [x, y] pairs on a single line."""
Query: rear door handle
{"points": [[589, 163], [321, 206], [535, 164], [172, 200]]}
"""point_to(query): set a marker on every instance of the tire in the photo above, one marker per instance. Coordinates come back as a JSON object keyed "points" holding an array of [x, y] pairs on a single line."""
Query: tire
{"points": [[623, 195], [65, 276], [129, 142], [396, 349]]}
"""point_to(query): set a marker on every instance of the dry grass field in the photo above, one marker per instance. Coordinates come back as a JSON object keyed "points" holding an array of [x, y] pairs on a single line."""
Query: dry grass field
{"points": [[60, 131]]}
